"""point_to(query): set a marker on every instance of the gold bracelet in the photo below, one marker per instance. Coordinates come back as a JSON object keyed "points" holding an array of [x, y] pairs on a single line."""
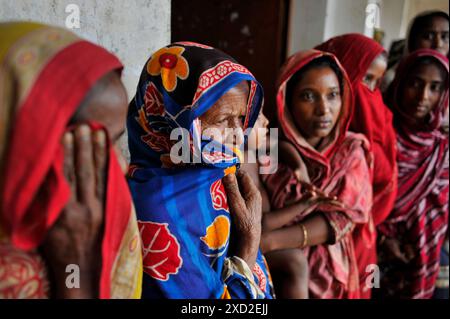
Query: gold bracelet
{"points": [[305, 236]]}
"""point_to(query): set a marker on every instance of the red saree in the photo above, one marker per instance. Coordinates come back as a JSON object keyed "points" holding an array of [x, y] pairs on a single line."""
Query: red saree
{"points": [[342, 169], [46, 74], [372, 118], [420, 214]]}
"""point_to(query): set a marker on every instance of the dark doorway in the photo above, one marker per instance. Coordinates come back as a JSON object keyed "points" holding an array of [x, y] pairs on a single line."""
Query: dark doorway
{"points": [[251, 31]]}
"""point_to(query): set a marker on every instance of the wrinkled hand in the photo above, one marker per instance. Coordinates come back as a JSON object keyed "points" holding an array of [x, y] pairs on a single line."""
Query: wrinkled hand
{"points": [[76, 237], [245, 204]]}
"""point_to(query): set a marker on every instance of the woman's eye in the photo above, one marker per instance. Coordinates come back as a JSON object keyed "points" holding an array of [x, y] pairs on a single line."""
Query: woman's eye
{"points": [[428, 36], [307, 96], [445, 37], [333, 95], [435, 88], [367, 78], [414, 84]]}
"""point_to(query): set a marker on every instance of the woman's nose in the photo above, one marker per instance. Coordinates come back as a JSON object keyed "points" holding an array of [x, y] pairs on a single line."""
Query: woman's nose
{"points": [[322, 107], [437, 42], [236, 123], [235, 137], [424, 94]]}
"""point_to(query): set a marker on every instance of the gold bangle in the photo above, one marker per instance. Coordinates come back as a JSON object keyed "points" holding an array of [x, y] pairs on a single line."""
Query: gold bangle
{"points": [[305, 236]]}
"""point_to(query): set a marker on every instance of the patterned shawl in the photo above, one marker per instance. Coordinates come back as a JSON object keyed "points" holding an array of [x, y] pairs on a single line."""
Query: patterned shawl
{"points": [[420, 214], [183, 214]]}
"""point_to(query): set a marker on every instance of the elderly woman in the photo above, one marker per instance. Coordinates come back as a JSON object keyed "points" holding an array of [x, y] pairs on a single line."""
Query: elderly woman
{"points": [[416, 229], [199, 219], [333, 192], [64, 198], [372, 118]]}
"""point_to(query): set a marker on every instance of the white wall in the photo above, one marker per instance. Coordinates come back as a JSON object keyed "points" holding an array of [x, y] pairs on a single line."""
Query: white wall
{"points": [[314, 21], [130, 29], [306, 24], [344, 16]]}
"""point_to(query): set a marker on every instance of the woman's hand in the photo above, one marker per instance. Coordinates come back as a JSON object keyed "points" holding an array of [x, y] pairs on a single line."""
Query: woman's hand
{"points": [[76, 237], [245, 203], [295, 210], [395, 251]]}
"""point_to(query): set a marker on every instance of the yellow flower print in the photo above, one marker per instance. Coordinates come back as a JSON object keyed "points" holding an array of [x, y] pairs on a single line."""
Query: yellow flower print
{"points": [[170, 64], [217, 233]]}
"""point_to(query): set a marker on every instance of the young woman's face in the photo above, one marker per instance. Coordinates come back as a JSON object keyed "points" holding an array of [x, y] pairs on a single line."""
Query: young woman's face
{"points": [[227, 113], [375, 72], [422, 91], [435, 36], [316, 103]]}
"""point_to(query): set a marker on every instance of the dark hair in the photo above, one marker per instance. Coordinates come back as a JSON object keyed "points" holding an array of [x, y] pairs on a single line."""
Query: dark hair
{"points": [[421, 22], [427, 60], [322, 62], [423, 61]]}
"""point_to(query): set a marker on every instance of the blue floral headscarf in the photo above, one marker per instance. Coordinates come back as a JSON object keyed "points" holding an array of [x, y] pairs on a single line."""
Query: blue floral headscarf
{"points": [[183, 215]]}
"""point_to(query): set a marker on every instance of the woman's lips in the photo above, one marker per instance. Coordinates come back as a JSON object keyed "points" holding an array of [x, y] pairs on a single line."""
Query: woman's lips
{"points": [[324, 124], [421, 108]]}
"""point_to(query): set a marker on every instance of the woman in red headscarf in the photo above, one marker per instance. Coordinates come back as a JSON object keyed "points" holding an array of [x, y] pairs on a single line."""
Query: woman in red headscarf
{"points": [[416, 228], [65, 207], [365, 62], [318, 209]]}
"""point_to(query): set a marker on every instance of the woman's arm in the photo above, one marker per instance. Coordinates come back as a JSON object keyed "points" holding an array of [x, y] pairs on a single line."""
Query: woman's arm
{"points": [[290, 156], [316, 227], [276, 219]]}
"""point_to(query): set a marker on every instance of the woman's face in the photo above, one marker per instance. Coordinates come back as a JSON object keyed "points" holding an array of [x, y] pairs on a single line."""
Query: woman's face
{"points": [[375, 72], [435, 36], [316, 103], [422, 91], [108, 105], [227, 113]]}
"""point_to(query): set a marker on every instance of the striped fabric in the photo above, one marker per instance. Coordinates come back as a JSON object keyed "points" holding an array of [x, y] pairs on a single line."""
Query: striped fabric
{"points": [[420, 215]]}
